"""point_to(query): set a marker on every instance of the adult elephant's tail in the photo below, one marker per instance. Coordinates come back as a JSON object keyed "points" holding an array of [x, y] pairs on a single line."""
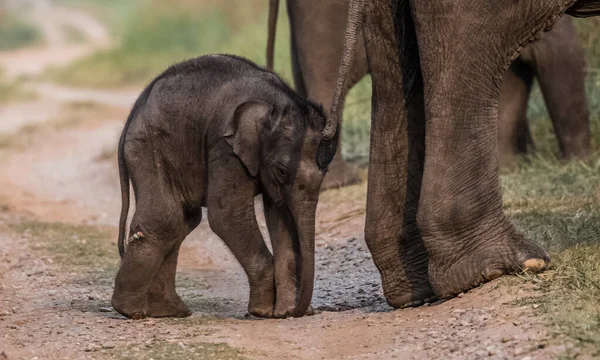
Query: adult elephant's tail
{"points": [[353, 28], [273, 14]]}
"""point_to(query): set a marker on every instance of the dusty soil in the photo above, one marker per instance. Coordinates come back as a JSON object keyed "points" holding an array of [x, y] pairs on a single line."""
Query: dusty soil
{"points": [[54, 310]]}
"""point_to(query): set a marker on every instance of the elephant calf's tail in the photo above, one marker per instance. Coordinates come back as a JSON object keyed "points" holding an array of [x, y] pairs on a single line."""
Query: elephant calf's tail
{"points": [[123, 171], [273, 14]]}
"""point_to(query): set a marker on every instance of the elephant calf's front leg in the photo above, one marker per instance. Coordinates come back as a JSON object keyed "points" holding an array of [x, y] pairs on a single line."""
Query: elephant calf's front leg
{"points": [[239, 230], [231, 216], [283, 233]]}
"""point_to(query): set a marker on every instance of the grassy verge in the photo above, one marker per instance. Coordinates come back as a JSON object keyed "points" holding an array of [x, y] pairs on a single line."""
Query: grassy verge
{"points": [[15, 32], [558, 206]]}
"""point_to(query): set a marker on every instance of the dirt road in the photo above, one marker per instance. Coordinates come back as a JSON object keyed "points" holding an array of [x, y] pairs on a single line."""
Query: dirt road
{"points": [[59, 192]]}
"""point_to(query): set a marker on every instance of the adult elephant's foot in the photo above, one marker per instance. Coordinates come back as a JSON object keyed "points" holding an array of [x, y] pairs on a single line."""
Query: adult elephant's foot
{"points": [[475, 257], [402, 291], [340, 174], [404, 274]]}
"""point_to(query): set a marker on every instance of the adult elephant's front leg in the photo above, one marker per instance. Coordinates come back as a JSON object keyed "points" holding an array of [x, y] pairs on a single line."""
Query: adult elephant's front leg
{"points": [[396, 157], [466, 46]]}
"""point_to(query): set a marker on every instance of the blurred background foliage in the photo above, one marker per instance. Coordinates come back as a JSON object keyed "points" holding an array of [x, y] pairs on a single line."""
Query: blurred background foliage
{"points": [[16, 31]]}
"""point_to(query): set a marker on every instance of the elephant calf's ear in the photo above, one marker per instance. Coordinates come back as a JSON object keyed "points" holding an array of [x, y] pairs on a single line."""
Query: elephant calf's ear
{"points": [[243, 133]]}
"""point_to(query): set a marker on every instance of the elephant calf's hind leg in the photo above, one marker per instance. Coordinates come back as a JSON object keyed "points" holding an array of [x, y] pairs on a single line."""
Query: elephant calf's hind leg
{"points": [[145, 283]]}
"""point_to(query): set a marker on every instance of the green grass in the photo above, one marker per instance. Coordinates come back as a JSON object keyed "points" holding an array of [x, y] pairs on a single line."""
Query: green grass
{"points": [[79, 246], [16, 32], [557, 205], [166, 350]]}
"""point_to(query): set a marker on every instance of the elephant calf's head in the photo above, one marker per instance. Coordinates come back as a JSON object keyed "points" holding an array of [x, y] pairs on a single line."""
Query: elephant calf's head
{"points": [[285, 149]]}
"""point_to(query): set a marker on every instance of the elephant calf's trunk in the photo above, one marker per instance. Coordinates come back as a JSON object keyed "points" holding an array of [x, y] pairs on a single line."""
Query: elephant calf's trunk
{"points": [[306, 237]]}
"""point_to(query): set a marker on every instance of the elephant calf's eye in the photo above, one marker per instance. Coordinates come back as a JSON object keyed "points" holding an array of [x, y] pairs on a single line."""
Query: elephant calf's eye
{"points": [[281, 173]]}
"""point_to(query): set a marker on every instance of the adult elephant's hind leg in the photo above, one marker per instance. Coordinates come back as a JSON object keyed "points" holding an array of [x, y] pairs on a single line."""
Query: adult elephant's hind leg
{"points": [[396, 157], [465, 48]]}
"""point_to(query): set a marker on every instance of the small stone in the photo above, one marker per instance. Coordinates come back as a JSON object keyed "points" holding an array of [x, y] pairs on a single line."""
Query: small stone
{"points": [[516, 322], [506, 339], [108, 346], [91, 297], [361, 291], [526, 358], [90, 348], [105, 309], [518, 351], [535, 306], [460, 295]]}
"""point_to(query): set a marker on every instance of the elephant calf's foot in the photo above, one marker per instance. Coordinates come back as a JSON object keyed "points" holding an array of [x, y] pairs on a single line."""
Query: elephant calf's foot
{"points": [[132, 307], [455, 270], [169, 306], [262, 299], [283, 311], [340, 174]]}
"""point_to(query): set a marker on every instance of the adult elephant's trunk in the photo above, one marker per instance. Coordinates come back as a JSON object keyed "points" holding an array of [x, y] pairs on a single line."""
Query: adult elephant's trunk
{"points": [[305, 222], [353, 28], [273, 13]]}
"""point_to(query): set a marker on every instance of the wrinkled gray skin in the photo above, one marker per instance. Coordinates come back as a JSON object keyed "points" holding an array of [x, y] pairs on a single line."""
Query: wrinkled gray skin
{"points": [[214, 132], [557, 60], [434, 223], [558, 63]]}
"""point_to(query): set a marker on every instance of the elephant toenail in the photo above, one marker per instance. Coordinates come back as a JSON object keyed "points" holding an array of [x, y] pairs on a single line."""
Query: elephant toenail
{"points": [[534, 265]]}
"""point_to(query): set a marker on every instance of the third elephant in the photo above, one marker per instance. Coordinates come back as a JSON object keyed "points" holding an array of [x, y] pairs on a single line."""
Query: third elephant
{"points": [[557, 61]]}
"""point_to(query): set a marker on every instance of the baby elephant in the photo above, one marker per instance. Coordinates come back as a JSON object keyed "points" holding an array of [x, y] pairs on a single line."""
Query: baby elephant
{"points": [[216, 131]]}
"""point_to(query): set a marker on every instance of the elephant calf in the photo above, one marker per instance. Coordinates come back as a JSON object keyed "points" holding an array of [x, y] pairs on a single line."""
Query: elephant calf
{"points": [[215, 131]]}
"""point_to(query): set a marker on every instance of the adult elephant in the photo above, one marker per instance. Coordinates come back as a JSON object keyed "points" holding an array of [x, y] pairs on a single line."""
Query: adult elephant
{"points": [[317, 39], [435, 224]]}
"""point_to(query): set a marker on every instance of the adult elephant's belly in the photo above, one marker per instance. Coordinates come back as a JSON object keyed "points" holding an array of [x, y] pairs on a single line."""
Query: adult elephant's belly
{"points": [[585, 8]]}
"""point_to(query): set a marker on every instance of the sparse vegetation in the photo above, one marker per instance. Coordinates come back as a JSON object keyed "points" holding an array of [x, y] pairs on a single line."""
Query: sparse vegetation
{"points": [[72, 245], [166, 350], [12, 90], [557, 205]]}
